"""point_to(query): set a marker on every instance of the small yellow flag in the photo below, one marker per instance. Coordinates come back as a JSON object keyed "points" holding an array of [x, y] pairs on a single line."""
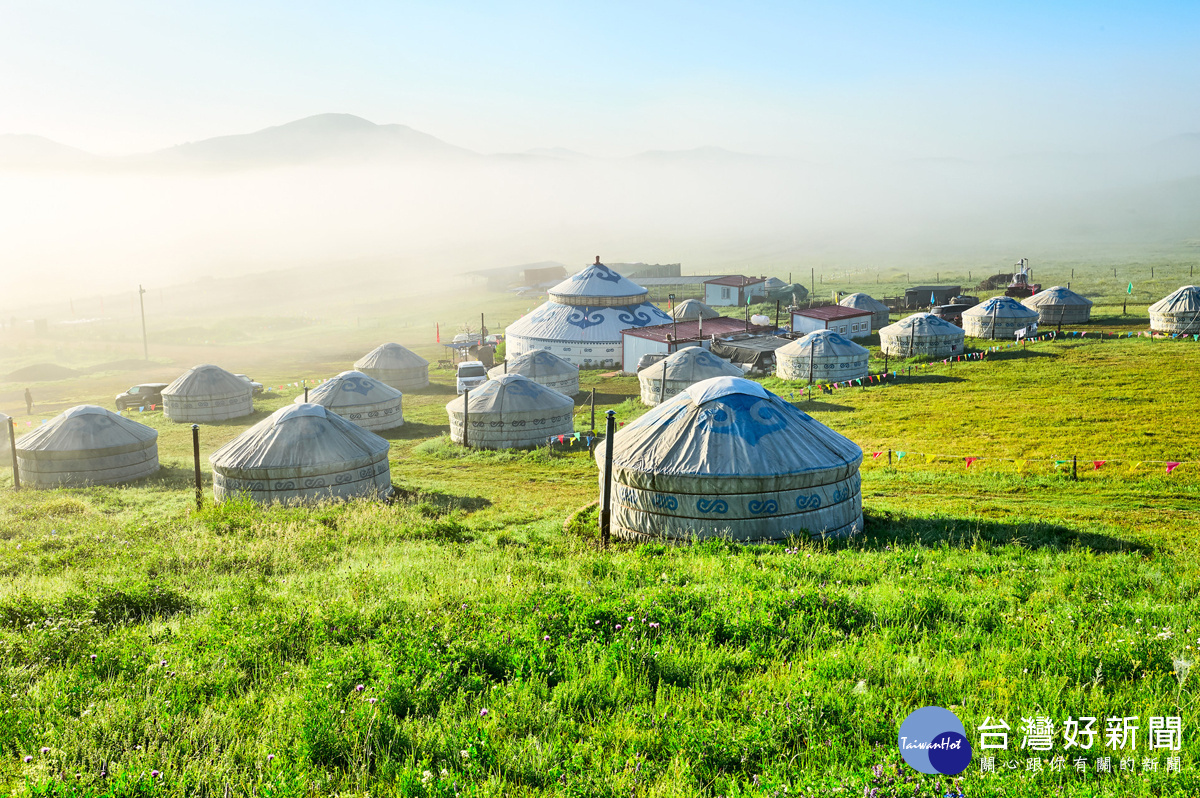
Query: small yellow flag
{"points": [[1021, 464], [929, 458], [1135, 466]]}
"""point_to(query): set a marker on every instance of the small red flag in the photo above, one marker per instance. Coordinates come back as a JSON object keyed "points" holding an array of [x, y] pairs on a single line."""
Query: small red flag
{"points": [[438, 327], [1171, 467], [970, 460], [1097, 463], [876, 454]]}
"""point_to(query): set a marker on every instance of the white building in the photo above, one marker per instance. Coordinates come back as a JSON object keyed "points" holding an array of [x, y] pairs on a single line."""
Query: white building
{"points": [[850, 322]]}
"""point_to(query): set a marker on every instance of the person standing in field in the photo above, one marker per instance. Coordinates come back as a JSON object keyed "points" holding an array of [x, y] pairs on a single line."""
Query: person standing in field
{"points": [[28, 403]]}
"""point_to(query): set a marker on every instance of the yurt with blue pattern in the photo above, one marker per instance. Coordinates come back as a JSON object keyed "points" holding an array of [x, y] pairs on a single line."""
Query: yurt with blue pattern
{"points": [[582, 320], [728, 457], [365, 401], [544, 368], [510, 412], [688, 366]]}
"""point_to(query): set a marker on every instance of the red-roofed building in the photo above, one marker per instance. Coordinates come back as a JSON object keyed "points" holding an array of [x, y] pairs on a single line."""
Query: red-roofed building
{"points": [[850, 322], [668, 338], [733, 290]]}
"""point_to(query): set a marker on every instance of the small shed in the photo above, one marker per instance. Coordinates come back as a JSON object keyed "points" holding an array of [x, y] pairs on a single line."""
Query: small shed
{"points": [[822, 355], [850, 322], [923, 296], [734, 289]]}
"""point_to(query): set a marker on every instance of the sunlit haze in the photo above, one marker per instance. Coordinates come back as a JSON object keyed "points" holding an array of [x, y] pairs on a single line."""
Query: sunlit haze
{"points": [[742, 137]]}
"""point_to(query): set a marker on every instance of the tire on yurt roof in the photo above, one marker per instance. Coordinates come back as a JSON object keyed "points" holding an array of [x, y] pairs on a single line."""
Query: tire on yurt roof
{"points": [[728, 457], [302, 453], [87, 445]]}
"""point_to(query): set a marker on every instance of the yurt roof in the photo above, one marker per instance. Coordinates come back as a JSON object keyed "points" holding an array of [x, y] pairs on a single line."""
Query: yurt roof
{"points": [[296, 436], [693, 309], [773, 283], [823, 343], [207, 380], [1001, 307], [863, 301], [726, 427], [694, 363], [1056, 295], [351, 389], [537, 363], [597, 280], [390, 356], [512, 393], [556, 322], [86, 427], [922, 324], [1182, 300]]}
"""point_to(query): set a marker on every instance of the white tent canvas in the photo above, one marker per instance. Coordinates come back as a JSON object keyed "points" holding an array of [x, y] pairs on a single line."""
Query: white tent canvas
{"points": [[207, 393], [880, 313], [544, 368], [675, 373], [1059, 305], [996, 318], [87, 445], [583, 319], [728, 457], [1178, 312], [921, 334], [363, 400], [822, 355], [302, 453], [692, 309], [396, 366], [511, 412]]}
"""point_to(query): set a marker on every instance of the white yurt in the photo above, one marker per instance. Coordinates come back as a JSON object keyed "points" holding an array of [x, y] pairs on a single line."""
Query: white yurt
{"points": [[1178, 312], [207, 393], [5, 447], [1059, 305], [727, 456], [822, 355], [396, 366], [544, 368], [996, 318], [87, 445], [512, 412], [880, 313], [366, 401], [302, 453], [692, 309], [583, 319], [921, 334], [675, 373]]}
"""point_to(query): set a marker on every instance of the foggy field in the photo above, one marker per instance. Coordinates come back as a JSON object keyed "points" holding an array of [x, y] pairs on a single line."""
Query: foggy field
{"points": [[500, 652]]}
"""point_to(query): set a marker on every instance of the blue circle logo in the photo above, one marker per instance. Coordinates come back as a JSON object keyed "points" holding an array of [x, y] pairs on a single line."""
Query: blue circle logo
{"points": [[933, 740]]}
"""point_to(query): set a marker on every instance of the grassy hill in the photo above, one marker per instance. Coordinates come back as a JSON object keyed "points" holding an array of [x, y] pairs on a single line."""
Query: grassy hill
{"points": [[472, 638]]}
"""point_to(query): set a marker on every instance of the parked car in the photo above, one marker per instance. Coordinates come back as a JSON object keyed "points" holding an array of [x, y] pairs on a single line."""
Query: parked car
{"points": [[471, 374], [144, 395], [257, 386]]}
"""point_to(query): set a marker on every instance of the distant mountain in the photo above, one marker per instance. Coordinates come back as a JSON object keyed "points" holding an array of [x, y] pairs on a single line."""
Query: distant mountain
{"points": [[325, 137], [712, 155], [37, 152]]}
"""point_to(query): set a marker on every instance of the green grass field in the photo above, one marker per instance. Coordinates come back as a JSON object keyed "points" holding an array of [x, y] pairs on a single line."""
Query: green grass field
{"points": [[473, 639]]}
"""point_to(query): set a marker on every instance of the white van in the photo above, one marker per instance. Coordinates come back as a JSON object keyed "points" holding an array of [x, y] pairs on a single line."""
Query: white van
{"points": [[471, 374]]}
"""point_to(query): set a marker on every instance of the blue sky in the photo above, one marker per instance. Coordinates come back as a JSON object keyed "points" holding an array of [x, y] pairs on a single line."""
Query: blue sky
{"points": [[813, 81]]}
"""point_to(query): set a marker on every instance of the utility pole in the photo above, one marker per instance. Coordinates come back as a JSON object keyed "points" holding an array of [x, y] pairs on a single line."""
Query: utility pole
{"points": [[142, 301]]}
